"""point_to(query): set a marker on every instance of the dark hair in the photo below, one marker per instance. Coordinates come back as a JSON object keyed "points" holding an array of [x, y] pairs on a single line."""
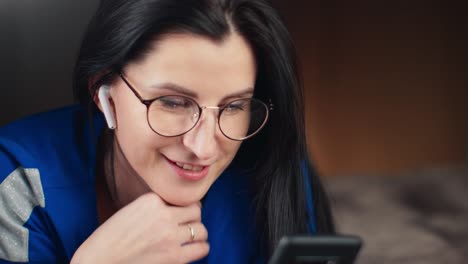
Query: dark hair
{"points": [[121, 31]]}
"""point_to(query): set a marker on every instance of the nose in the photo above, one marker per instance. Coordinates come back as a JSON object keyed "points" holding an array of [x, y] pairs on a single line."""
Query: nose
{"points": [[202, 139]]}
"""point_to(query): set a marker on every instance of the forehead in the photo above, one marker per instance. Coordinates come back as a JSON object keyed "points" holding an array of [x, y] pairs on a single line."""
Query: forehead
{"points": [[198, 63]]}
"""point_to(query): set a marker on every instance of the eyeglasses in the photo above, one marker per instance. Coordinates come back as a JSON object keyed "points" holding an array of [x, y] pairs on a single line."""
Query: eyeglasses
{"points": [[175, 115]]}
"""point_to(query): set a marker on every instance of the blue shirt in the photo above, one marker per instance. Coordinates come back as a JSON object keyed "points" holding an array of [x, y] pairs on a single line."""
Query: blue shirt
{"points": [[48, 194]]}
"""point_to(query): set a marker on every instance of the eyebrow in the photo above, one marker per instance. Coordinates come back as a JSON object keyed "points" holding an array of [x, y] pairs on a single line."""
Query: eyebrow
{"points": [[175, 88], [188, 92]]}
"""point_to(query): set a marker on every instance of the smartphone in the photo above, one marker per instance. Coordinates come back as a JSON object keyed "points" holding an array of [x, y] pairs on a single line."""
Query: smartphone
{"points": [[317, 249]]}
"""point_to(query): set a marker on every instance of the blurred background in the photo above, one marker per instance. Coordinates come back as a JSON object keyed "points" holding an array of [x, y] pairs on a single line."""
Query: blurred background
{"points": [[386, 93], [39, 42], [386, 82]]}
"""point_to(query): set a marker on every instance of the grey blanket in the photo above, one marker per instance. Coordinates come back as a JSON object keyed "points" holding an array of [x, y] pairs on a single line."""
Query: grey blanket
{"points": [[417, 217]]}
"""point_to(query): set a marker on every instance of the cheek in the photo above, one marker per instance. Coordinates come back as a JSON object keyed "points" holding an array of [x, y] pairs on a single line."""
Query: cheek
{"points": [[130, 112], [135, 137], [230, 149], [142, 149]]}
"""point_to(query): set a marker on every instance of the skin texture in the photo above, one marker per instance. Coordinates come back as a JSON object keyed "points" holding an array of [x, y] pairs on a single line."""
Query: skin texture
{"points": [[154, 204]]}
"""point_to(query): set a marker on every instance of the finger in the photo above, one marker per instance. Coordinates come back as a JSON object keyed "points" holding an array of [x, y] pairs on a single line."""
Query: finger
{"points": [[186, 214], [194, 251], [185, 233]]}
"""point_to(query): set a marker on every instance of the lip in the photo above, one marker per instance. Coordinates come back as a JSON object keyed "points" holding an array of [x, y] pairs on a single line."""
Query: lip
{"points": [[188, 175]]}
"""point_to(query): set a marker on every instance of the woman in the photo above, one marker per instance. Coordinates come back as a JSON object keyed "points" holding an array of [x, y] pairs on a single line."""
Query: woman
{"points": [[199, 153]]}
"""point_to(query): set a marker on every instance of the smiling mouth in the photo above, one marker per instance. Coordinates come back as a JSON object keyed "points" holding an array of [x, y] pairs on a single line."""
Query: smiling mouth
{"points": [[189, 167], [188, 171]]}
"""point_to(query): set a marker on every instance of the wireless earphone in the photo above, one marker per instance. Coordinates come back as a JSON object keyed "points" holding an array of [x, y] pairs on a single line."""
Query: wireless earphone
{"points": [[104, 95]]}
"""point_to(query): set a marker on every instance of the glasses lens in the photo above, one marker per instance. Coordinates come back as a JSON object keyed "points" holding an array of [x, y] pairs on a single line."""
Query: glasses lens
{"points": [[172, 115], [175, 115], [243, 118]]}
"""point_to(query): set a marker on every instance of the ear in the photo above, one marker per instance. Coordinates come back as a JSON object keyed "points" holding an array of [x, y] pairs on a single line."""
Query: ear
{"points": [[103, 101]]}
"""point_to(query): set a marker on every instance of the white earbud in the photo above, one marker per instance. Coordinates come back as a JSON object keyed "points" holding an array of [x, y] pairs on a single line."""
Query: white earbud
{"points": [[104, 95]]}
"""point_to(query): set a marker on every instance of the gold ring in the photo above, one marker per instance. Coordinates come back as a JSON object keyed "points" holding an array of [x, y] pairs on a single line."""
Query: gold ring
{"points": [[192, 232]]}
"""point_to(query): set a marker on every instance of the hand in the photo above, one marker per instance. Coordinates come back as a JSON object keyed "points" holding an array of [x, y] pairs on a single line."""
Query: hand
{"points": [[147, 231]]}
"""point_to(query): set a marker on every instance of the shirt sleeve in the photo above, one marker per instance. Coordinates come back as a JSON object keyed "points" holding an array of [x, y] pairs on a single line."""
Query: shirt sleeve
{"points": [[25, 236]]}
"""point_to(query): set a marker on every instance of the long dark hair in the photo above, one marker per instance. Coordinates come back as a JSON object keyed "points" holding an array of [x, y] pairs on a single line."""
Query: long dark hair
{"points": [[122, 31]]}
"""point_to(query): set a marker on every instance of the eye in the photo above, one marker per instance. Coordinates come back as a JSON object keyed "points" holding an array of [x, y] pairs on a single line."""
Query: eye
{"points": [[236, 106], [174, 104]]}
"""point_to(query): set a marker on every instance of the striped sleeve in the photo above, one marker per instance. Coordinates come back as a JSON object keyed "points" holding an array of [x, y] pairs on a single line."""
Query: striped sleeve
{"points": [[23, 233]]}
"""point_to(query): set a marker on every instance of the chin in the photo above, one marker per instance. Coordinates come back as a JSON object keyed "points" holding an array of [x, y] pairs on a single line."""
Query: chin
{"points": [[178, 201], [182, 198]]}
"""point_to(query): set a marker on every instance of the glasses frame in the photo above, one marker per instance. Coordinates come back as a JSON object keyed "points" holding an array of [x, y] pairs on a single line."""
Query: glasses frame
{"points": [[148, 102]]}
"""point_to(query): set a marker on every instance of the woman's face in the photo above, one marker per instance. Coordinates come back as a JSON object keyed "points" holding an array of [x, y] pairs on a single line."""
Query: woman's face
{"points": [[211, 73]]}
